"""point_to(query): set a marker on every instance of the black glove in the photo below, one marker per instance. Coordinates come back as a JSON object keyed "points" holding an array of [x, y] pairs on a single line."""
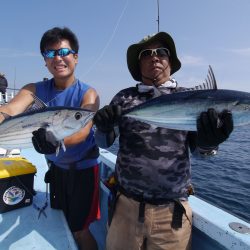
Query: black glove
{"points": [[213, 128], [44, 141], [106, 118]]}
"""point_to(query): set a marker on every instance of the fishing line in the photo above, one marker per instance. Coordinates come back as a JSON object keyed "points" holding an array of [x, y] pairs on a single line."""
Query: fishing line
{"points": [[108, 42], [155, 78]]}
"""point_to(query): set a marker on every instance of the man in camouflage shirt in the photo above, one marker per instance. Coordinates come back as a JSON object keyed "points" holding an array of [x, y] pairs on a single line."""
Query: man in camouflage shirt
{"points": [[153, 163]]}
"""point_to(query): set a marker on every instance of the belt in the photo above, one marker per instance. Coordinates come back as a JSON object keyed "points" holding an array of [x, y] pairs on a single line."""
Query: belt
{"points": [[178, 212], [141, 198]]}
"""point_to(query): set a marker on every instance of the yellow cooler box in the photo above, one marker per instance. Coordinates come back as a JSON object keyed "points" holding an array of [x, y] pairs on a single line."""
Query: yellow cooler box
{"points": [[16, 183]]}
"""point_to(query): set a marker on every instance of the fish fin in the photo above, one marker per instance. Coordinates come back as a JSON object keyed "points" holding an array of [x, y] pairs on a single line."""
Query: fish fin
{"points": [[210, 82], [37, 104], [211, 78], [57, 150], [61, 145]]}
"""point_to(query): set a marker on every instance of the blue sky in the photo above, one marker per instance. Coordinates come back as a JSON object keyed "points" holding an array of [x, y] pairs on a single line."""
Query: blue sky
{"points": [[214, 32]]}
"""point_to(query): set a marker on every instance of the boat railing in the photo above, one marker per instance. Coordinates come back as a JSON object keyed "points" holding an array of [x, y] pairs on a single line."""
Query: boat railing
{"points": [[219, 229], [9, 153], [4, 98]]}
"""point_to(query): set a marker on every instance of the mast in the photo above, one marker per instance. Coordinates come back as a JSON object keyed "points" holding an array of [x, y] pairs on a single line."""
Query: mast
{"points": [[15, 82], [158, 15]]}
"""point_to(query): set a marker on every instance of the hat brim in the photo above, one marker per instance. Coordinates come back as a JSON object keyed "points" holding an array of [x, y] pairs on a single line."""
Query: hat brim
{"points": [[134, 50]]}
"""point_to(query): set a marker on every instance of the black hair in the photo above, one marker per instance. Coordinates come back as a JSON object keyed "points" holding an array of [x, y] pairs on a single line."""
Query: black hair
{"points": [[57, 34]]}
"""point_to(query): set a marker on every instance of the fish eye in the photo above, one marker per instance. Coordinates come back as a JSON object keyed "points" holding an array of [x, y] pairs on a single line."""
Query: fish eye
{"points": [[78, 115]]}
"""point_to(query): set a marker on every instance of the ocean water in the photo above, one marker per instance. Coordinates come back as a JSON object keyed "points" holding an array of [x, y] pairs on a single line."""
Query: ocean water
{"points": [[224, 180]]}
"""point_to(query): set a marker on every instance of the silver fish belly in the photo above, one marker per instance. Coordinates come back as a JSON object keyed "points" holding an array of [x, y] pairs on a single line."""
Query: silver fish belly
{"points": [[181, 110], [16, 131]]}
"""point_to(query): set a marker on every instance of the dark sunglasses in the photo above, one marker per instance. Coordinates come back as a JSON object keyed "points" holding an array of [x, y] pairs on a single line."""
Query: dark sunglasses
{"points": [[161, 52], [59, 52]]}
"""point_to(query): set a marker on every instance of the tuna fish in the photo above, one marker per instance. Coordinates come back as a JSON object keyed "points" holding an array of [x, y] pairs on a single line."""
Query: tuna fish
{"points": [[181, 110], [16, 131]]}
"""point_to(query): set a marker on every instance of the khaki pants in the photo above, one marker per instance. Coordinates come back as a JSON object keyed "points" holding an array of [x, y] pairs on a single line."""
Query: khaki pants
{"points": [[127, 233]]}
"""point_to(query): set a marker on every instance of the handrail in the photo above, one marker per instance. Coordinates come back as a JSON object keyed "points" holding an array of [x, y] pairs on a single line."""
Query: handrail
{"points": [[4, 98]]}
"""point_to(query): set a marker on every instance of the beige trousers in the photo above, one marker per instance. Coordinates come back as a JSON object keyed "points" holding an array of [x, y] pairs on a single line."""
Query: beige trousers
{"points": [[127, 233]]}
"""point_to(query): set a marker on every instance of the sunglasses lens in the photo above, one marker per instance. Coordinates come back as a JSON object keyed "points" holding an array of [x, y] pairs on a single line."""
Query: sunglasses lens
{"points": [[145, 53], [60, 52], [63, 52], [162, 52], [49, 53]]}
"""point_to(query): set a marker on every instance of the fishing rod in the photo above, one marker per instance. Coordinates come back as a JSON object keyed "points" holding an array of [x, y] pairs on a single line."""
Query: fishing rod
{"points": [[158, 15]]}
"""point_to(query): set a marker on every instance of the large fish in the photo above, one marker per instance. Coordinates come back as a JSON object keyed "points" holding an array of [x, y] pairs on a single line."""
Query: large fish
{"points": [[16, 131], [181, 110]]}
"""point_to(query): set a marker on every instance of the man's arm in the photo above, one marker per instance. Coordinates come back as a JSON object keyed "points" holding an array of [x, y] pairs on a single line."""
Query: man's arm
{"points": [[106, 120], [45, 143], [19, 103], [91, 102]]}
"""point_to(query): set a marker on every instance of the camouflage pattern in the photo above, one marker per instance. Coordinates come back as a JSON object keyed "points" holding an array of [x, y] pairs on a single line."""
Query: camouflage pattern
{"points": [[151, 161]]}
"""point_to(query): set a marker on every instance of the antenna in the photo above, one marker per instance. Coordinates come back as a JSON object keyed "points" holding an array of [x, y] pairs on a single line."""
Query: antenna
{"points": [[158, 11], [15, 81]]}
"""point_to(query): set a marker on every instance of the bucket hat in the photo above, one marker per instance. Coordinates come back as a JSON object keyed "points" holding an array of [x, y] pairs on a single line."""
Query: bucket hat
{"points": [[134, 50]]}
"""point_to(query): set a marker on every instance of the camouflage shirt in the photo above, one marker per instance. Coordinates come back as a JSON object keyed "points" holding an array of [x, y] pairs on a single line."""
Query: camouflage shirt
{"points": [[151, 161]]}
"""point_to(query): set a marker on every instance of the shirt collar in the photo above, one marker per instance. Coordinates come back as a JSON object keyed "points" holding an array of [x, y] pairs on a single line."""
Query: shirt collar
{"points": [[142, 88]]}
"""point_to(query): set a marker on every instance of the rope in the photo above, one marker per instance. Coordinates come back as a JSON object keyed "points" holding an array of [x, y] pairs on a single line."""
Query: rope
{"points": [[108, 42]]}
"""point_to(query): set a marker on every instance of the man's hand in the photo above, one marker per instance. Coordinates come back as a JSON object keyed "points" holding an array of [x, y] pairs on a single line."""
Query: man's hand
{"points": [[213, 128], [3, 116], [106, 118], [44, 141]]}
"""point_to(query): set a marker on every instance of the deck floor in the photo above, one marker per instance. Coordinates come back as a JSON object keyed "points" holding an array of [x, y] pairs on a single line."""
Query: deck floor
{"points": [[22, 229]]}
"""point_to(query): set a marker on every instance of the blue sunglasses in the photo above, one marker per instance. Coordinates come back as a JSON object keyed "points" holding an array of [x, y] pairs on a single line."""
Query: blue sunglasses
{"points": [[59, 52]]}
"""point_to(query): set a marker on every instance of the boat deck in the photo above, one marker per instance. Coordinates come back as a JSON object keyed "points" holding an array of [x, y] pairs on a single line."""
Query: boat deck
{"points": [[22, 229]]}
